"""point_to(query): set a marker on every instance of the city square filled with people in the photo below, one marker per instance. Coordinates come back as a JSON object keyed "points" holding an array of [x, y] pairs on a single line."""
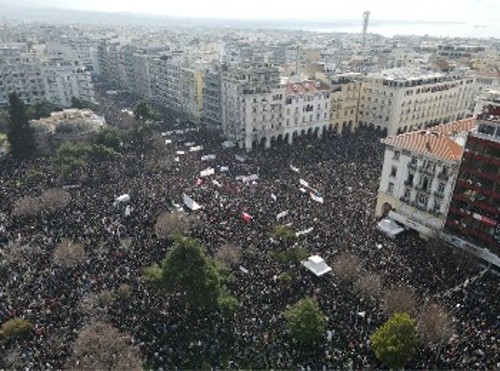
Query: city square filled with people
{"points": [[120, 242]]}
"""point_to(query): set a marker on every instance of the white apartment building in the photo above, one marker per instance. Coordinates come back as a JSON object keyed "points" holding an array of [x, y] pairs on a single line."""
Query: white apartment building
{"points": [[401, 100], [258, 110], [419, 174], [37, 78]]}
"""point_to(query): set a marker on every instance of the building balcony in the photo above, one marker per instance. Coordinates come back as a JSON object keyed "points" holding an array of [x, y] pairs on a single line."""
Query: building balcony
{"points": [[408, 183], [427, 171], [443, 176], [438, 195], [412, 166]]}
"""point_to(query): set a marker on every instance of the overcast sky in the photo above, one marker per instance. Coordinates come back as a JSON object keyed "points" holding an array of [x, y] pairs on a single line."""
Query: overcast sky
{"points": [[470, 11]]}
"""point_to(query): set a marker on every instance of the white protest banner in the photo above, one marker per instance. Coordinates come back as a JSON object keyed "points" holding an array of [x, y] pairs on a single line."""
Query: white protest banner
{"points": [[190, 203], [282, 214], [240, 158], [224, 168], [189, 144], [215, 182], [303, 232], [180, 152], [207, 157], [304, 184], [207, 172], [317, 198], [168, 141], [196, 149], [273, 196], [303, 190], [296, 169]]}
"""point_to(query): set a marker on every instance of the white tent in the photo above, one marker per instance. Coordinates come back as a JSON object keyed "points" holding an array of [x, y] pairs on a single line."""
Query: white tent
{"points": [[389, 227], [317, 265]]}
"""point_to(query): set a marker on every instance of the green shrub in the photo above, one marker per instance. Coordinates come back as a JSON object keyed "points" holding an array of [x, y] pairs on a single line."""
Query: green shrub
{"points": [[16, 328]]}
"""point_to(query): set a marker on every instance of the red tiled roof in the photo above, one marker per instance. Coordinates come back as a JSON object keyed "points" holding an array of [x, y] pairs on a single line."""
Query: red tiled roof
{"points": [[435, 141], [306, 87]]}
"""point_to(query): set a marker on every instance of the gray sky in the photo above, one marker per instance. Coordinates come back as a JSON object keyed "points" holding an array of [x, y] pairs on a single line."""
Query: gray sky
{"points": [[470, 11]]}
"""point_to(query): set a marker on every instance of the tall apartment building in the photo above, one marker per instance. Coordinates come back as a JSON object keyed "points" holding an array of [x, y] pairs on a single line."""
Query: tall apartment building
{"points": [[36, 78], [345, 90], [419, 173], [252, 102], [212, 102], [474, 215], [257, 109], [401, 100]]}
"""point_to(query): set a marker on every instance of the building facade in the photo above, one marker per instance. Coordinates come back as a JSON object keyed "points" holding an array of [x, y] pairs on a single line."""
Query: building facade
{"points": [[475, 206], [37, 78], [418, 176], [402, 100]]}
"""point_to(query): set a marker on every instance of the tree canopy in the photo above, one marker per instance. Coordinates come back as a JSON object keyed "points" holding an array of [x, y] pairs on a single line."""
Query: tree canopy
{"points": [[187, 269], [305, 321], [144, 111], [20, 134], [395, 341]]}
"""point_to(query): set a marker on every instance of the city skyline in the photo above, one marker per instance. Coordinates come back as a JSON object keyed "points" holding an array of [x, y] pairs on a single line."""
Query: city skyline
{"points": [[467, 11]]}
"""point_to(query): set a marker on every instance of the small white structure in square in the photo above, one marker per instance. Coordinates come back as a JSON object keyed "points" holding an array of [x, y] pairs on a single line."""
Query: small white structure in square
{"points": [[389, 227], [317, 265]]}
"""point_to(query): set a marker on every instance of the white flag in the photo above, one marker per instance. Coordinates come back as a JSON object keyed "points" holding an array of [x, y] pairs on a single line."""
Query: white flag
{"points": [[303, 183], [189, 202], [317, 198], [282, 214]]}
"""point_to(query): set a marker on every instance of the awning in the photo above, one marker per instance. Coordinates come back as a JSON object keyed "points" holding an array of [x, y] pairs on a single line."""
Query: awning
{"points": [[389, 227]]}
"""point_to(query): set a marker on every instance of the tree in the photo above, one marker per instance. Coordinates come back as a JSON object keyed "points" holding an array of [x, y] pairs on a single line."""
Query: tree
{"points": [[399, 300], [41, 109], [187, 269], [228, 254], [347, 266], [305, 321], [282, 233], [81, 103], [68, 254], [369, 285], [20, 134], [15, 328], [100, 346], [26, 206], [109, 137], [170, 224], [395, 341], [54, 199], [434, 324], [143, 111]]}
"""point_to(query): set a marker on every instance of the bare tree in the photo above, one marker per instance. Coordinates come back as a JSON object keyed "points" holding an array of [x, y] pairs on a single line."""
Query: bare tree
{"points": [[17, 253], [26, 206], [347, 266], [435, 324], [369, 285], [169, 224], [399, 300], [100, 346], [68, 254], [54, 199], [229, 254]]}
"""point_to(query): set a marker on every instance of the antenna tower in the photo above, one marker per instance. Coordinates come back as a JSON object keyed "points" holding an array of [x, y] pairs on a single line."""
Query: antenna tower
{"points": [[366, 18]]}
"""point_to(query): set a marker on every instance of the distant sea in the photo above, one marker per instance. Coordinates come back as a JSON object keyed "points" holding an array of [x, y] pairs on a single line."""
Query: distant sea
{"points": [[390, 29]]}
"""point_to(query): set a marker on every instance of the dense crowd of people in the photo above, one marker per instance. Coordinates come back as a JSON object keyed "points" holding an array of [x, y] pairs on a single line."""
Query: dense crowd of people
{"points": [[119, 245]]}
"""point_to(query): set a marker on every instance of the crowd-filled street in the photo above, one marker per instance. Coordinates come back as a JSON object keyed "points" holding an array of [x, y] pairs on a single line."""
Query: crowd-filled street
{"points": [[119, 245]]}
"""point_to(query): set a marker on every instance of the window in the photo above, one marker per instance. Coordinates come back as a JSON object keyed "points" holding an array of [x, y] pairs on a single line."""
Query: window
{"points": [[407, 194], [441, 188], [422, 199], [394, 171], [390, 188], [396, 155], [414, 160]]}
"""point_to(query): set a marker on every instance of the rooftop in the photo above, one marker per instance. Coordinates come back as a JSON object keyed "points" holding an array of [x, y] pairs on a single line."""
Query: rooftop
{"points": [[406, 74], [440, 141], [306, 86]]}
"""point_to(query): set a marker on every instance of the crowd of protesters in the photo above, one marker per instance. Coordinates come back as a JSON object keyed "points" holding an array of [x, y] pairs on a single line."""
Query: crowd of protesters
{"points": [[343, 170]]}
